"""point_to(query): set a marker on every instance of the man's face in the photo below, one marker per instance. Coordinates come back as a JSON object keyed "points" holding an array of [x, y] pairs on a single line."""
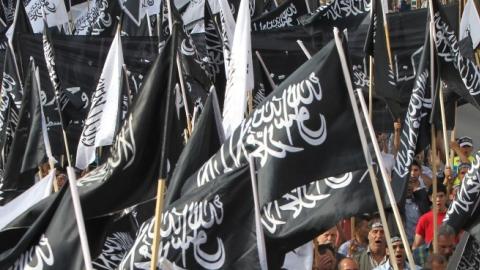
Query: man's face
{"points": [[441, 201], [376, 240], [399, 253], [348, 264], [415, 171], [328, 237], [446, 245], [466, 150], [326, 260], [363, 230], [462, 172]]}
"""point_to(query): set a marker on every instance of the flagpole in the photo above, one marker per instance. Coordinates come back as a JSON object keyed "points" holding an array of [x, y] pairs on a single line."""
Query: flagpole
{"points": [[48, 149], [157, 222], [125, 73], [304, 49], [264, 67], [150, 32], [370, 88], [180, 74], [72, 179], [262, 253], [387, 36], [164, 154], [218, 115], [452, 134], [309, 9], [363, 139], [434, 185]]}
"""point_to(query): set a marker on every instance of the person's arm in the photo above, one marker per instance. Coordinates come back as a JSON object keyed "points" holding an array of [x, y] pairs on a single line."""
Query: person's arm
{"points": [[456, 147], [418, 241], [397, 127], [427, 180], [419, 233]]}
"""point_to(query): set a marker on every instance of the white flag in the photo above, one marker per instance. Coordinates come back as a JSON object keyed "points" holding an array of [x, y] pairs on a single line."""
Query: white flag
{"points": [[240, 76], [27, 199], [99, 128], [55, 11], [470, 24], [228, 30]]}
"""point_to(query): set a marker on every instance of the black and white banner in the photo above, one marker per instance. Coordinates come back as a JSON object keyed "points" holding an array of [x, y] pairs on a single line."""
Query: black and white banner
{"points": [[101, 122], [285, 15], [95, 17], [457, 69], [293, 127], [415, 128], [212, 228], [55, 13]]}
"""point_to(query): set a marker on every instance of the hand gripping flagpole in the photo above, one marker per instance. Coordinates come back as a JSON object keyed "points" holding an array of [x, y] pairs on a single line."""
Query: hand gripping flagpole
{"points": [[262, 253], [363, 139]]}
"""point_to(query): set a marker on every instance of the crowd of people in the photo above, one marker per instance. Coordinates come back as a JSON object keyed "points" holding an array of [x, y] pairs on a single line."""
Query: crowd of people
{"points": [[366, 248]]}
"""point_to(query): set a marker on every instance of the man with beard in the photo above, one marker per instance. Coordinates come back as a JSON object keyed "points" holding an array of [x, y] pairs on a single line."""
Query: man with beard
{"points": [[400, 259], [375, 255]]}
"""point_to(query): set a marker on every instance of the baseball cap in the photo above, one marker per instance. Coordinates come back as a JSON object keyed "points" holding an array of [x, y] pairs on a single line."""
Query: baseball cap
{"points": [[465, 141]]}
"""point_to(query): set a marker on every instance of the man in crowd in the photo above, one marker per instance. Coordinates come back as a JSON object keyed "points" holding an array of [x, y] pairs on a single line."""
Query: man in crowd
{"points": [[360, 242], [330, 238], [324, 258], [416, 204], [375, 255], [446, 241], [347, 264], [424, 229], [417, 171], [400, 258], [463, 148], [424, 256]]}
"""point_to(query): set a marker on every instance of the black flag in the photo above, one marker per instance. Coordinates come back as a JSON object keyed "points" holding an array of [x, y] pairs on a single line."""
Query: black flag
{"points": [[458, 71], [204, 142], [415, 134], [463, 211], [27, 149], [212, 228], [284, 15], [297, 126], [384, 79], [11, 100]]}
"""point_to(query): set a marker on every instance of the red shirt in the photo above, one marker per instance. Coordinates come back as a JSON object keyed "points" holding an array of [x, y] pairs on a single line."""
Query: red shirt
{"points": [[425, 225]]}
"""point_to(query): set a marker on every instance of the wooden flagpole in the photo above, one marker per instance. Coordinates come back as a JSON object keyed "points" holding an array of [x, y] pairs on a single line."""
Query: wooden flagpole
{"points": [[264, 67], [452, 135], [363, 139], [162, 180], [370, 88], [262, 253], [158, 222], [309, 9], [440, 92], [150, 31], [72, 179], [304, 49], [387, 35], [434, 185], [386, 181]]}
